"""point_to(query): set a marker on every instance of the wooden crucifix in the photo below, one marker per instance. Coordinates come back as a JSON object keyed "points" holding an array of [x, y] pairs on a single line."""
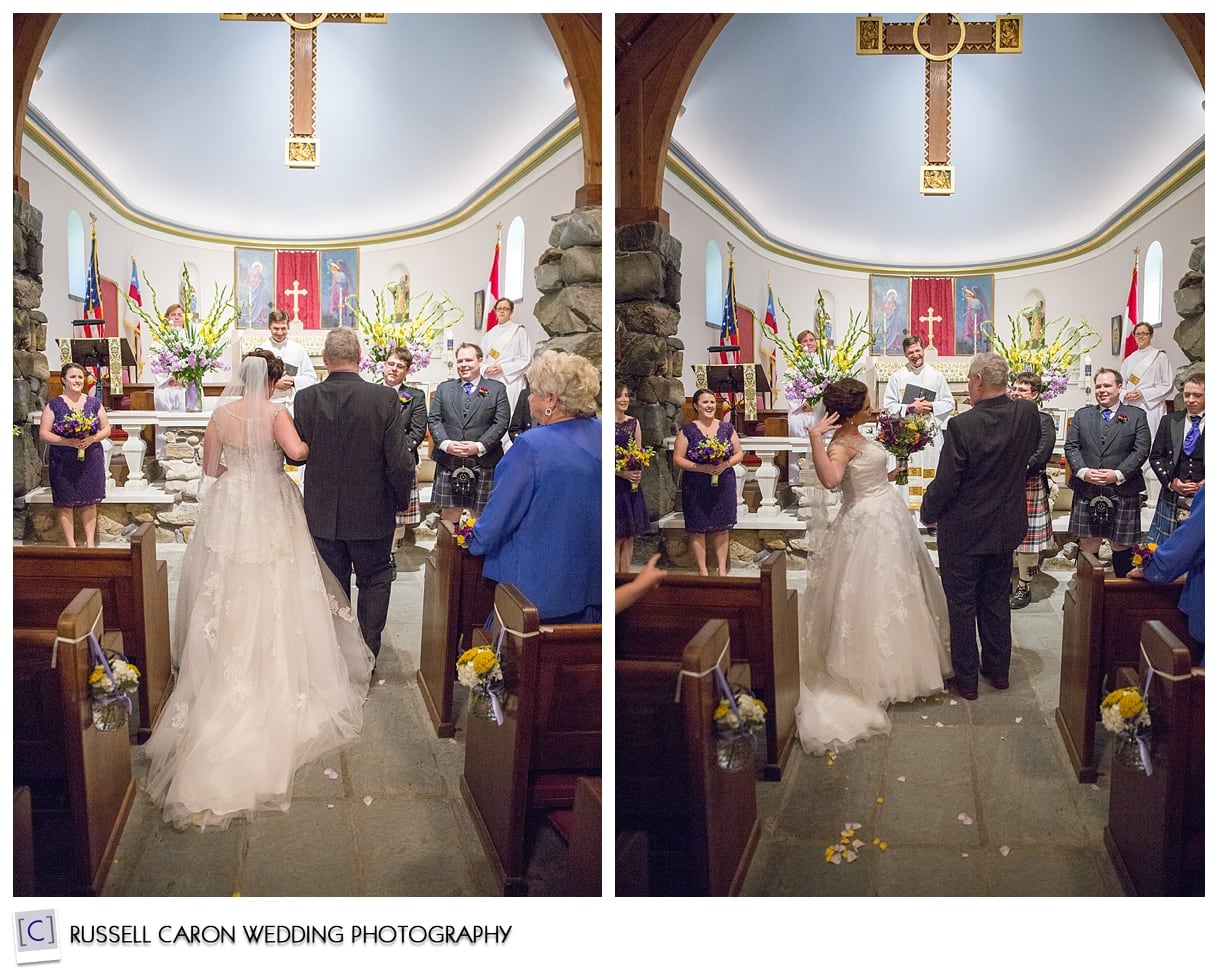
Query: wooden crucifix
{"points": [[301, 146], [939, 37]]}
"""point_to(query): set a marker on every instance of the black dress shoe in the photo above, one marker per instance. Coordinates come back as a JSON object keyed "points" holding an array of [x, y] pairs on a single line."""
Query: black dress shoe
{"points": [[1000, 684], [967, 693], [1021, 597]]}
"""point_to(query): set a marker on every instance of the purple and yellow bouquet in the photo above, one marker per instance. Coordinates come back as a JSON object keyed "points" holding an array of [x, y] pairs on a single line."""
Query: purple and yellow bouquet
{"points": [[1143, 553], [76, 424], [463, 529], [709, 451], [632, 458], [902, 435]]}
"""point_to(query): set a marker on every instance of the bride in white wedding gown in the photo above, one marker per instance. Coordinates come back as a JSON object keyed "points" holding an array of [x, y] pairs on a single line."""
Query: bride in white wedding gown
{"points": [[874, 625], [272, 670]]}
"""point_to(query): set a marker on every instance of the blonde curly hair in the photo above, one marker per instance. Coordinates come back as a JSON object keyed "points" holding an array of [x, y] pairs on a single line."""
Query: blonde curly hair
{"points": [[572, 379]]}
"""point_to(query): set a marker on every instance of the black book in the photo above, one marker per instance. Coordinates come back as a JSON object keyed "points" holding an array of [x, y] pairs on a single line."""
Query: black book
{"points": [[290, 369], [913, 392]]}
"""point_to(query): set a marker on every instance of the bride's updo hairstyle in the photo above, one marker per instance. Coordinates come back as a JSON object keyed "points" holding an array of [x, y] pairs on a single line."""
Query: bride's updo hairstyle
{"points": [[845, 397], [274, 365]]}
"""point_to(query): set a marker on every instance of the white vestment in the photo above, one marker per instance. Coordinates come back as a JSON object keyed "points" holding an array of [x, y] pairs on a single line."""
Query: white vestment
{"points": [[166, 398], [508, 346], [1147, 371], [292, 353], [922, 464]]}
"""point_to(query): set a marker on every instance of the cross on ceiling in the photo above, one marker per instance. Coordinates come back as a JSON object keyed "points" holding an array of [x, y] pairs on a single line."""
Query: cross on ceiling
{"points": [[300, 150], [939, 37]]}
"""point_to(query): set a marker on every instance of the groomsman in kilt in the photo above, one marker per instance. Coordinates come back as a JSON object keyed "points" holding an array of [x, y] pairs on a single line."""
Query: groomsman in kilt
{"points": [[414, 422], [1178, 459], [1106, 446], [1040, 526]]}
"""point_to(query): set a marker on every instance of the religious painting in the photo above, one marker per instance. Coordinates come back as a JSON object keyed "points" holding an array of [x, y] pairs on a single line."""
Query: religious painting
{"points": [[1118, 328], [889, 314], [479, 309], [339, 284], [253, 280], [974, 302]]}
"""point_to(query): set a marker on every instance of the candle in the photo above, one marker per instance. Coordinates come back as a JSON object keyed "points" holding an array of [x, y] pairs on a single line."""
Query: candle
{"points": [[448, 338]]}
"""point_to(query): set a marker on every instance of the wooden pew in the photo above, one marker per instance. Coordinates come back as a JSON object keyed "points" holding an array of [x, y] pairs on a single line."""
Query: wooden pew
{"points": [[550, 736], [134, 587], [456, 600], [580, 828], [23, 843], [79, 778], [701, 822], [1156, 824], [1100, 628], [763, 617]]}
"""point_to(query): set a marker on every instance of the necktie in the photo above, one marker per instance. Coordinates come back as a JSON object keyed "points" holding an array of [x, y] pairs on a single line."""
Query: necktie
{"points": [[1107, 414], [1194, 433], [469, 387]]}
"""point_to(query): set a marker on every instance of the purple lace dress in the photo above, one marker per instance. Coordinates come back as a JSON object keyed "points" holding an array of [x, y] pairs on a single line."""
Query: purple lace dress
{"points": [[75, 483], [631, 511], [708, 508]]}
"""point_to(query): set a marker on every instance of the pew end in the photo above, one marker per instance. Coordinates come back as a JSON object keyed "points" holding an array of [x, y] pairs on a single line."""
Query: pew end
{"points": [[79, 778], [700, 822], [518, 772], [1156, 824]]}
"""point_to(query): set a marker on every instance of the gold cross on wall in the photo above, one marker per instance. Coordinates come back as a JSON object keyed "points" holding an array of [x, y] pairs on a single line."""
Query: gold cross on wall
{"points": [[929, 319], [296, 293], [939, 37], [301, 147]]}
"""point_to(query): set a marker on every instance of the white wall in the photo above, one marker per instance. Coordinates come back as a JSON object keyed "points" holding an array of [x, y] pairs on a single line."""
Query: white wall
{"points": [[1094, 286], [457, 260]]}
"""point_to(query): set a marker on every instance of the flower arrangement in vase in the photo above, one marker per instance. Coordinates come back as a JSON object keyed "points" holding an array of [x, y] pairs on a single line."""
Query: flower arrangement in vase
{"points": [[384, 329], [1052, 358], [808, 374], [478, 669], [740, 730], [1125, 714], [112, 683]]}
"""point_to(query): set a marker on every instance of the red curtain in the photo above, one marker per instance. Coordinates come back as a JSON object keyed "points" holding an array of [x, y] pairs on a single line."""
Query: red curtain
{"points": [[297, 270], [932, 313]]}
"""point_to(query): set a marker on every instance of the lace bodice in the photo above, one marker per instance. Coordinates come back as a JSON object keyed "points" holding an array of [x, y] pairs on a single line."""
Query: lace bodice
{"points": [[867, 473], [247, 446]]}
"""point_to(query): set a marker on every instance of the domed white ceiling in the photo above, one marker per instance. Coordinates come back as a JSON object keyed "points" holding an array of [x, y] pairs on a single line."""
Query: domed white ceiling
{"points": [[820, 147], [184, 116]]}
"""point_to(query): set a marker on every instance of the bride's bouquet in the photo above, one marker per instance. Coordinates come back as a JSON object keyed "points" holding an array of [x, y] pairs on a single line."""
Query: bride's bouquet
{"points": [[902, 435], [709, 451]]}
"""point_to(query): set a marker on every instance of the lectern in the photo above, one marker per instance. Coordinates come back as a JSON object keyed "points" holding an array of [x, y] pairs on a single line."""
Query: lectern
{"points": [[112, 353], [747, 380]]}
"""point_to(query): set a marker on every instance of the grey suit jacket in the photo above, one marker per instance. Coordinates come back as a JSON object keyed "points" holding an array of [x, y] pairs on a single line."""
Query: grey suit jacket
{"points": [[480, 417], [1123, 443]]}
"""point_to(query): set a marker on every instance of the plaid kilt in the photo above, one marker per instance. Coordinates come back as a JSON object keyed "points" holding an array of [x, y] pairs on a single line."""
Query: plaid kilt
{"points": [[1040, 525], [410, 516], [442, 490], [1165, 522], [1126, 526]]}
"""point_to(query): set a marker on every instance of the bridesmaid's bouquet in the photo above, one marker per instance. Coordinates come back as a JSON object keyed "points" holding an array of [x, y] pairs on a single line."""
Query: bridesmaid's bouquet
{"points": [[76, 424], [902, 435], [632, 458], [709, 451], [463, 529]]}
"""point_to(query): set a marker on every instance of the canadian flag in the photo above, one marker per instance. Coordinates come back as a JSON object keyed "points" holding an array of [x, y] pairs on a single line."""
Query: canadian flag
{"points": [[1131, 313], [492, 288]]}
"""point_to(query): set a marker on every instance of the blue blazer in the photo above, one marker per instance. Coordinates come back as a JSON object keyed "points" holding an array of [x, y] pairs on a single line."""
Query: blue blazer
{"points": [[541, 529], [1184, 550]]}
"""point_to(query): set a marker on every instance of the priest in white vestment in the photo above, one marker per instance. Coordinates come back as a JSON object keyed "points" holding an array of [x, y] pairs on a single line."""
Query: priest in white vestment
{"points": [[800, 415], [1146, 378], [294, 357], [167, 393], [936, 401], [507, 350]]}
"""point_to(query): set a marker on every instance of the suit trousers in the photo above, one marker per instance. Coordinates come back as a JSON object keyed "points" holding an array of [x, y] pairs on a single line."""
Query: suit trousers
{"points": [[977, 587], [373, 565]]}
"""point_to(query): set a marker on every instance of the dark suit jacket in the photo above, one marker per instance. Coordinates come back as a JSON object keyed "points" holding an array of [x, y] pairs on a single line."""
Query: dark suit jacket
{"points": [[522, 416], [977, 496], [1092, 443], [359, 469], [485, 420], [414, 417], [1169, 444], [1044, 447]]}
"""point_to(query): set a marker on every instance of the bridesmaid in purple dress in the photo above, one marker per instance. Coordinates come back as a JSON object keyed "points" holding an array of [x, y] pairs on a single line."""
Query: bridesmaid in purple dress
{"points": [[709, 507], [631, 511], [76, 482]]}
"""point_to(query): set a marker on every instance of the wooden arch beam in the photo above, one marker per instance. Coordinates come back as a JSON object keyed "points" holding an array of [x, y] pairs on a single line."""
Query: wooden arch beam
{"points": [[1189, 30], [578, 39], [656, 57], [31, 31]]}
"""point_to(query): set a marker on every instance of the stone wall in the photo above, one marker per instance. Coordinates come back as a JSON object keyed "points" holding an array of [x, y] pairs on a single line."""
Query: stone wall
{"points": [[30, 367], [1189, 301], [649, 356], [569, 276]]}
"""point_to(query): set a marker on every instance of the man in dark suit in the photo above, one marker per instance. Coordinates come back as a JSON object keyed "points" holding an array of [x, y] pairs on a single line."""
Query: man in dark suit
{"points": [[977, 500], [360, 471], [1106, 446], [468, 418], [1178, 459], [414, 422]]}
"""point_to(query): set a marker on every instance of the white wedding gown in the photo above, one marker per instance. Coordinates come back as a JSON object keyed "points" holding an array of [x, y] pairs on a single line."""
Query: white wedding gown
{"points": [[273, 671], [873, 624]]}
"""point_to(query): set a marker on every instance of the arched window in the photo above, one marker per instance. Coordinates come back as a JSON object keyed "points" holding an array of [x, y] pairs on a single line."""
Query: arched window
{"points": [[1152, 289], [514, 260], [714, 284], [78, 256]]}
